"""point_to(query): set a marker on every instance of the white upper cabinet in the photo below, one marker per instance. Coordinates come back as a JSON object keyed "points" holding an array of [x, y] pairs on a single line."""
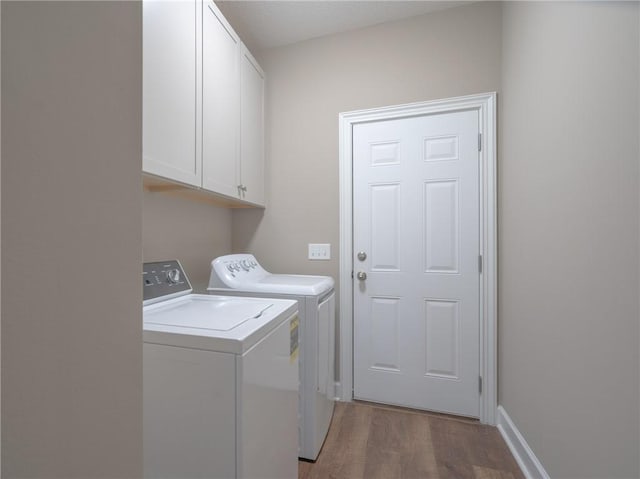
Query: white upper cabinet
{"points": [[251, 129], [203, 120], [170, 90], [220, 103]]}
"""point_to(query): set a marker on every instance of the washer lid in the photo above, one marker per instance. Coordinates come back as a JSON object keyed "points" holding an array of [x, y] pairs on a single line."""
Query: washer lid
{"points": [[208, 313], [214, 323]]}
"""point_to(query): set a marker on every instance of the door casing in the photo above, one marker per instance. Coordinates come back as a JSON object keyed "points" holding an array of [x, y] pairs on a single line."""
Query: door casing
{"points": [[485, 104]]}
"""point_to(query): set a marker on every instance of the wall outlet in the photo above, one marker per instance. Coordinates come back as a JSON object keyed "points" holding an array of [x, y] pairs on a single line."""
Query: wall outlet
{"points": [[319, 251]]}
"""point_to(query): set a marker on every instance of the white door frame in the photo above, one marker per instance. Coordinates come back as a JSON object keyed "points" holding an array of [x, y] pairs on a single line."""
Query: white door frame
{"points": [[485, 104]]}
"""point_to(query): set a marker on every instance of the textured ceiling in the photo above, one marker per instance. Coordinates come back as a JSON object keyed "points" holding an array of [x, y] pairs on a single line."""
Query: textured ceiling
{"points": [[273, 23]]}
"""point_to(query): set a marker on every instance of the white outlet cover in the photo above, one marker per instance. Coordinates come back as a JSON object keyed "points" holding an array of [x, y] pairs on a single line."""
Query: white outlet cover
{"points": [[319, 251]]}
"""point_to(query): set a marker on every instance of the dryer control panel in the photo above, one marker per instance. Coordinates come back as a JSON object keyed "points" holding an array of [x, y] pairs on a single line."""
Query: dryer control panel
{"points": [[163, 280], [243, 272], [234, 270]]}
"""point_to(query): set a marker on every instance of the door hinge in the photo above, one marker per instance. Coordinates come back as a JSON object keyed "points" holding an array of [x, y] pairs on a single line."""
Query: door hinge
{"points": [[479, 141], [480, 264], [480, 384]]}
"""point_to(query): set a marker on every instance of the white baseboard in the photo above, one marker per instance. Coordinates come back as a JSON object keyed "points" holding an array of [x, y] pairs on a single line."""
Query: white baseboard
{"points": [[527, 460], [337, 390]]}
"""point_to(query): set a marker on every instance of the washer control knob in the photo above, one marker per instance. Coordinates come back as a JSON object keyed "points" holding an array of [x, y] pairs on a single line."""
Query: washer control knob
{"points": [[173, 276]]}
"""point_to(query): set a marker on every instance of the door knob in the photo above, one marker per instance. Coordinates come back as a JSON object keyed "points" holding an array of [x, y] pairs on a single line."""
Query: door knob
{"points": [[361, 275], [362, 255]]}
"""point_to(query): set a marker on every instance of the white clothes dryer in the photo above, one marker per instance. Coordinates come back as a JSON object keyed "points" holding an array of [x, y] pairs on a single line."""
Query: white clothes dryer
{"points": [[241, 274], [220, 382]]}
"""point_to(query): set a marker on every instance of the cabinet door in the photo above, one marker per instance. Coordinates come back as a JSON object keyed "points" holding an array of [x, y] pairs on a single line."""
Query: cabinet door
{"points": [[170, 86], [221, 103], [251, 129]]}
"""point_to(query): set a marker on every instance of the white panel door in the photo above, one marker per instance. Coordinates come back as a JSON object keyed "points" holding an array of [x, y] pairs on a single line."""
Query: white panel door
{"points": [[170, 90], [220, 103], [416, 217]]}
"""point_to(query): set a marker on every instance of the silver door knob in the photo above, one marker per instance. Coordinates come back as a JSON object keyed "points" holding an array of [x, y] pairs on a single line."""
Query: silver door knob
{"points": [[361, 275], [362, 255]]}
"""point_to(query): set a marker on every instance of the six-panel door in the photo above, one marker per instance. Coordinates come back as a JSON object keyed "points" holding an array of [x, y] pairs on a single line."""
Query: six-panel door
{"points": [[416, 216]]}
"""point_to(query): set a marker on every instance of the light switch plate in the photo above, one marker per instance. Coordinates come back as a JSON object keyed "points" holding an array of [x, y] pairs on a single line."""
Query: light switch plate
{"points": [[319, 251]]}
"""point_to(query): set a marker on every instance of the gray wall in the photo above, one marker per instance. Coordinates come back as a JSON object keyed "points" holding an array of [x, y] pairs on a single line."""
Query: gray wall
{"points": [[569, 247], [448, 53], [71, 240], [188, 227]]}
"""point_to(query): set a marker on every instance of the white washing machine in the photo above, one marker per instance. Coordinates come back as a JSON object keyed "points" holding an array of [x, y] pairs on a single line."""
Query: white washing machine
{"points": [[241, 274], [220, 382]]}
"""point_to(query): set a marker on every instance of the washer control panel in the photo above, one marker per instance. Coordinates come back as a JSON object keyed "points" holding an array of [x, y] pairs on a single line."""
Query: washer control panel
{"points": [[164, 278]]}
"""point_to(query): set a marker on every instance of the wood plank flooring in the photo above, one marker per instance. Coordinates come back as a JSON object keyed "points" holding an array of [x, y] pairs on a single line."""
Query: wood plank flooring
{"points": [[368, 441]]}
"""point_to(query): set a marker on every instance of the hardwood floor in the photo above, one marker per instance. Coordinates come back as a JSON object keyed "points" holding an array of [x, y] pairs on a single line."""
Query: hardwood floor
{"points": [[368, 441]]}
